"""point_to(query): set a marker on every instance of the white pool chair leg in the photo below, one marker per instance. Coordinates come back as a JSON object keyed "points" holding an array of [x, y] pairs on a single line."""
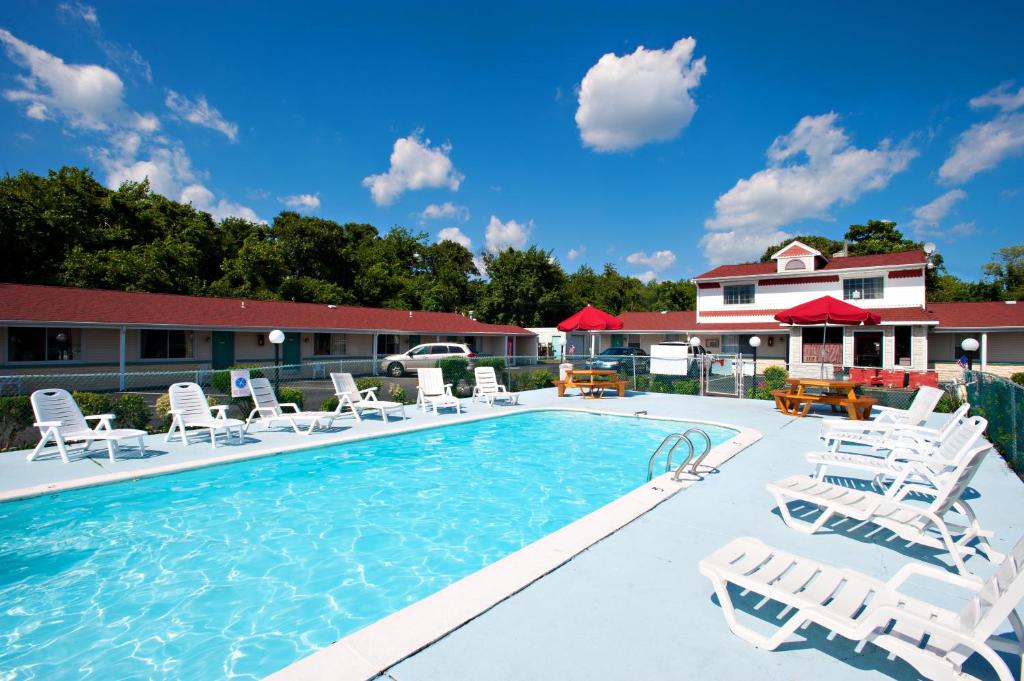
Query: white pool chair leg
{"points": [[111, 446]]}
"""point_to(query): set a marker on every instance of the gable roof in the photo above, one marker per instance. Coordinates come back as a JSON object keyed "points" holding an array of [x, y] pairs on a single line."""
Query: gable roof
{"points": [[915, 257], [795, 249], [56, 304]]}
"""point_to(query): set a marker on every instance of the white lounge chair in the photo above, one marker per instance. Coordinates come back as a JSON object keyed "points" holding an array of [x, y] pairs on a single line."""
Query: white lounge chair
{"points": [[886, 435], [269, 411], [433, 393], [914, 522], [917, 414], [349, 395], [910, 458], [934, 641], [59, 418], [489, 390], [189, 409]]}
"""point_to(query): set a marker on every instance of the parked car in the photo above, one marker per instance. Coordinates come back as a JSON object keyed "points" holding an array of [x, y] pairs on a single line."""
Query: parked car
{"points": [[617, 359], [423, 356]]}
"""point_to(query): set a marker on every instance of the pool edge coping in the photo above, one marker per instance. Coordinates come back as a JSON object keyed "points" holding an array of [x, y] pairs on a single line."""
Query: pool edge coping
{"points": [[369, 652]]}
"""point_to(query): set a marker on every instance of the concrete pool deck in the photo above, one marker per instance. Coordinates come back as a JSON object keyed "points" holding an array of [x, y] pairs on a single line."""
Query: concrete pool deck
{"points": [[633, 605]]}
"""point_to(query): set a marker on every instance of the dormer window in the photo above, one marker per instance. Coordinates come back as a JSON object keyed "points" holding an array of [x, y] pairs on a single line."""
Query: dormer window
{"points": [[796, 264], [796, 257]]}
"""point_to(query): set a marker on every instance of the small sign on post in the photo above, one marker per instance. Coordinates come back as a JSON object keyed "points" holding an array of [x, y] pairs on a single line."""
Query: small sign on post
{"points": [[240, 383]]}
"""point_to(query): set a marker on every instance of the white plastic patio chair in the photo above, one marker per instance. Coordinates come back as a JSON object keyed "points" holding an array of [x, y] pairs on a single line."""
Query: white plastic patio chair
{"points": [[914, 522], [269, 411], [910, 458], [59, 418], [349, 395], [190, 409], [934, 641], [886, 435], [433, 393], [921, 407], [489, 390]]}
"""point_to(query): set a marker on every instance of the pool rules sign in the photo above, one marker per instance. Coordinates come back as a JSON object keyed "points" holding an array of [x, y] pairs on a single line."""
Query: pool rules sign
{"points": [[240, 383]]}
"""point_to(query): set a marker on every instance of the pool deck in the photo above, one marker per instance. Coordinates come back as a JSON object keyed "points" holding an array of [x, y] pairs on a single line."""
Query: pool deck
{"points": [[632, 606]]}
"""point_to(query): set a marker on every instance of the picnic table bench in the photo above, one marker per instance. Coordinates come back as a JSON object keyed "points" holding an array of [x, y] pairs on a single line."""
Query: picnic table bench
{"points": [[592, 383], [839, 395]]}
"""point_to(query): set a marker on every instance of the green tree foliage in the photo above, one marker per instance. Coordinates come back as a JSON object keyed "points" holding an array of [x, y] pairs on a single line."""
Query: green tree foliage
{"points": [[819, 243], [525, 288], [1006, 273]]}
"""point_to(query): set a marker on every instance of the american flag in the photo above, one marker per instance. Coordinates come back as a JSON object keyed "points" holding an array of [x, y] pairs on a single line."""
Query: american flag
{"points": [[962, 361]]}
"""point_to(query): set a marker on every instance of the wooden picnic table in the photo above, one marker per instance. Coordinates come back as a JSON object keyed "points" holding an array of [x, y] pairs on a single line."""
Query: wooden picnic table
{"points": [[592, 382], [797, 401]]}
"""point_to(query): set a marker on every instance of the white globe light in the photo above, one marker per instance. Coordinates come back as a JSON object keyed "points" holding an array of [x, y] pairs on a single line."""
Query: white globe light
{"points": [[276, 336], [695, 342], [755, 341], [969, 345]]}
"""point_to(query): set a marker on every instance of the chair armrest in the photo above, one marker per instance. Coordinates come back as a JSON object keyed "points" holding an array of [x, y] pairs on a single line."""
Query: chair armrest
{"points": [[221, 409], [369, 391], [100, 417], [103, 421], [294, 406], [447, 388], [48, 424], [930, 571]]}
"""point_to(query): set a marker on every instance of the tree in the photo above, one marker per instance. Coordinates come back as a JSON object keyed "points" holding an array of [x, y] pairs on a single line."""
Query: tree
{"points": [[877, 236], [524, 288], [819, 243], [1006, 272]]}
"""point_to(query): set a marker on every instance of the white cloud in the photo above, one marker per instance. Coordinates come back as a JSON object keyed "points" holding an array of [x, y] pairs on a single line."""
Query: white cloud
{"points": [[86, 96], [628, 101], [810, 169], [414, 165], [444, 210], [963, 228], [455, 234], [985, 145], [646, 277], [576, 253], [78, 10], [309, 201], [659, 261], [931, 214], [202, 199], [503, 235], [200, 113]]}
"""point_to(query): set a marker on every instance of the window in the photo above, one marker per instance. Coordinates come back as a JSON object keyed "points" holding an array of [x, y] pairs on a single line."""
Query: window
{"points": [[171, 344], [903, 346], [329, 344], [28, 344], [796, 264], [867, 349], [738, 295], [870, 288], [831, 346], [387, 344]]}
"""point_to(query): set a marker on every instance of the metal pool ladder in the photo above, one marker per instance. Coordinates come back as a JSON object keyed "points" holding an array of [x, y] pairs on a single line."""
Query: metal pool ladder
{"points": [[671, 443]]}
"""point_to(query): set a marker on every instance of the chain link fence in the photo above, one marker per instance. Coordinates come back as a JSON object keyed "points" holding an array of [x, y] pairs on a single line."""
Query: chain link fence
{"points": [[1002, 403]]}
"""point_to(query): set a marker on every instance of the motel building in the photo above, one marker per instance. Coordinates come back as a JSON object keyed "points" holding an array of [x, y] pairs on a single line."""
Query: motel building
{"points": [[51, 329], [736, 302]]}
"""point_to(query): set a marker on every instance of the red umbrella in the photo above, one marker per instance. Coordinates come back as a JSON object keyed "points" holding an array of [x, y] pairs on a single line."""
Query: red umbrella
{"points": [[591, 319], [827, 310]]}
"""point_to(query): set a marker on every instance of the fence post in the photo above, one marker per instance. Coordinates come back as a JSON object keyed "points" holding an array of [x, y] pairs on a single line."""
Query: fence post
{"points": [[122, 344]]}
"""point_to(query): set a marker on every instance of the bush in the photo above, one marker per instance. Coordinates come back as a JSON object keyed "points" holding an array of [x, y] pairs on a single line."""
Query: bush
{"points": [[775, 378], [286, 394], [162, 409], [94, 403], [396, 393], [530, 380], [1018, 378], [455, 371], [686, 387], [948, 403], [661, 385], [369, 382], [329, 404], [643, 383], [15, 416], [132, 412]]}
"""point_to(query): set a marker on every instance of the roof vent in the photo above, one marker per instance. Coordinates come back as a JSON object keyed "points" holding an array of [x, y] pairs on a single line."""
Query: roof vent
{"points": [[243, 304], [1011, 302], [664, 312], [332, 307]]}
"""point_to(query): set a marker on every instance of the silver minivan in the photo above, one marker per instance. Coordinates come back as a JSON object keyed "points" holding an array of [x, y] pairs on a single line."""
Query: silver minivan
{"points": [[423, 356]]}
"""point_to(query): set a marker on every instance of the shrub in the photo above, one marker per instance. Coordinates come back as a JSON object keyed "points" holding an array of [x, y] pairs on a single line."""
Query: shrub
{"points": [[643, 383], [686, 387], [396, 393], [369, 382], [1018, 378], [530, 380], [329, 404], [948, 403], [286, 394], [132, 411], [455, 371], [162, 409], [775, 378], [94, 403], [661, 385], [15, 416]]}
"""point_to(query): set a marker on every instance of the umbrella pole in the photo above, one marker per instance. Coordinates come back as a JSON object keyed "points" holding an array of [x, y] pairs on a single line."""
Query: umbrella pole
{"points": [[824, 333]]}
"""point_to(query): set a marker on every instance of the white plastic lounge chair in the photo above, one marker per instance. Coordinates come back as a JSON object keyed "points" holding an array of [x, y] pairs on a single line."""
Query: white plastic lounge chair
{"points": [[269, 411], [917, 414], [58, 418], [933, 640], [910, 458], [434, 393], [349, 395], [190, 409], [489, 390], [886, 435], [915, 522]]}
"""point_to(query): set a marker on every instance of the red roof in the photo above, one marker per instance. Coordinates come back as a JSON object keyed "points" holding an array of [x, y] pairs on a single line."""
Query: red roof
{"points": [[793, 251], [52, 304], [977, 315], [841, 263]]}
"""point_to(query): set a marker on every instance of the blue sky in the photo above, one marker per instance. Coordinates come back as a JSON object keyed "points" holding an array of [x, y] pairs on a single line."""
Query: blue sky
{"points": [[736, 124]]}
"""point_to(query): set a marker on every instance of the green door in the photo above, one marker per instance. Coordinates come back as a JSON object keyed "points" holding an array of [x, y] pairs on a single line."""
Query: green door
{"points": [[223, 349], [291, 347], [617, 340]]}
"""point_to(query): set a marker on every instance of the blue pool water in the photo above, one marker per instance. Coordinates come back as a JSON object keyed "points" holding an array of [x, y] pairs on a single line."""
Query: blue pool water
{"points": [[236, 571]]}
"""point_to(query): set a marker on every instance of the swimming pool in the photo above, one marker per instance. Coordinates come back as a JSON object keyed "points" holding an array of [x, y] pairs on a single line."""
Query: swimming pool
{"points": [[236, 571]]}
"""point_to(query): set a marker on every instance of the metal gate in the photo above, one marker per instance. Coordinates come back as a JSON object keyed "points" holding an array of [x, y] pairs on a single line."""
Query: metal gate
{"points": [[722, 375]]}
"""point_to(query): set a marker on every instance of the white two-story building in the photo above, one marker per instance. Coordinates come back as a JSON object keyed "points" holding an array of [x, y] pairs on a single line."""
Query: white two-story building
{"points": [[735, 302]]}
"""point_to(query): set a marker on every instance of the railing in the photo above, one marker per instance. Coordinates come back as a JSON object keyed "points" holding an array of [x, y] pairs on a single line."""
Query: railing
{"points": [[672, 442]]}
